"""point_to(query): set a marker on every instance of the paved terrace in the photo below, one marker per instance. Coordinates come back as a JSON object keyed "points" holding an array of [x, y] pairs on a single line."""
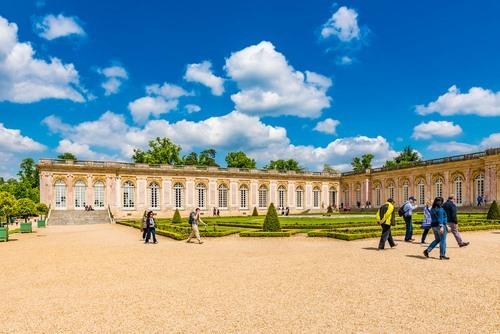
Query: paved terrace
{"points": [[103, 279]]}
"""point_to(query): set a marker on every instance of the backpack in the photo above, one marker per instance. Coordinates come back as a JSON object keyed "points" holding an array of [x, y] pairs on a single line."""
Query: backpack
{"points": [[192, 216], [401, 210]]}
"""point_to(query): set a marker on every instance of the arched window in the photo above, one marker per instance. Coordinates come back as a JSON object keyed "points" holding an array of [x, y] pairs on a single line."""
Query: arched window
{"points": [[357, 194], [406, 188], [438, 187], [281, 197], [201, 195], [243, 197], [299, 197], [128, 195], [178, 195], [346, 197], [99, 194], [316, 197], [262, 197], [457, 187], [479, 186], [60, 191], [391, 191], [222, 196], [421, 191], [154, 195], [332, 196], [79, 191], [378, 195]]}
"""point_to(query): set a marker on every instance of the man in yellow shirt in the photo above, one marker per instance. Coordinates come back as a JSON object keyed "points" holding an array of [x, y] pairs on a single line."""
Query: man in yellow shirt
{"points": [[386, 216]]}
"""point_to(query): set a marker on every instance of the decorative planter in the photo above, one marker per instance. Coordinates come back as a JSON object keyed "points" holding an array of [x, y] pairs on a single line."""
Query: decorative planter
{"points": [[41, 223], [26, 228], [4, 233]]}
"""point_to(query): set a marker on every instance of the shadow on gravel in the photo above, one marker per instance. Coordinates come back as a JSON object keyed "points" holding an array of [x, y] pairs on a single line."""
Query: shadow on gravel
{"points": [[370, 248], [421, 257]]}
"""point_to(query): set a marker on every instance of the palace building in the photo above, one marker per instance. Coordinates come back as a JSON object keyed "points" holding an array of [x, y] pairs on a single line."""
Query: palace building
{"points": [[128, 189]]}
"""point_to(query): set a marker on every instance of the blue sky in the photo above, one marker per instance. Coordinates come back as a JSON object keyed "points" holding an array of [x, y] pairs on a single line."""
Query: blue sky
{"points": [[319, 81]]}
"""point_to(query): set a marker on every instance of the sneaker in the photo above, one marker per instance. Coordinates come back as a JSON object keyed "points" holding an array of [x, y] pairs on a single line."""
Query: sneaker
{"points": [[394, 245], [201, 242], [444, 258], [465, 244], [426, 253], [156, 242], [423, 242]]}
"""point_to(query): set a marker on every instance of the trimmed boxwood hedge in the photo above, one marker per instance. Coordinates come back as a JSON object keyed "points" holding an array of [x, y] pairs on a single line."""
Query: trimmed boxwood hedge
{"points": [[265, 234]]}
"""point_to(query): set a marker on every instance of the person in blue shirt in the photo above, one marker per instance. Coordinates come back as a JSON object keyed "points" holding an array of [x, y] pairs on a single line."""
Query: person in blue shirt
{"points": [[439, 227], [408, 208]]}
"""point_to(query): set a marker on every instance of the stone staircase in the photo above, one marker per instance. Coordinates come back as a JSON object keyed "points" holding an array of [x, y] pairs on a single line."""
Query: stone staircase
{"points": [[78, 217]]}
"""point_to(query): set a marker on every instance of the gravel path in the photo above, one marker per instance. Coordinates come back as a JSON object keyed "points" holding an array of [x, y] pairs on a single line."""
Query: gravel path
{"points": [[101, 278]]}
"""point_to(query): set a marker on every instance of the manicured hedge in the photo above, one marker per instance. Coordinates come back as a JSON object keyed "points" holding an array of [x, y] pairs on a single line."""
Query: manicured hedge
{"points": [[265, 234]]}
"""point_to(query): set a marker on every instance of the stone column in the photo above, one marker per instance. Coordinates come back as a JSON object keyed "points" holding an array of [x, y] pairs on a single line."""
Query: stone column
{"points": [[118, 189], [273, 189], [70, 203], [189, 194], [166, 192], [254, 192]]}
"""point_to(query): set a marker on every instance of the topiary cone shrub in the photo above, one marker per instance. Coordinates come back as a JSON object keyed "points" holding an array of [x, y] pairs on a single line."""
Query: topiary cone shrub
{"points": [[271, 222], [255, 213], [329, 209], [177, 217], [493, 212]]}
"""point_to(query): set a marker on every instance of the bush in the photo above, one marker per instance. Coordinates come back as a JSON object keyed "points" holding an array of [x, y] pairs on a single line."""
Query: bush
{"points": [[493, 212], [255, 213], [329, 209], [177, 217], [271, 222]]}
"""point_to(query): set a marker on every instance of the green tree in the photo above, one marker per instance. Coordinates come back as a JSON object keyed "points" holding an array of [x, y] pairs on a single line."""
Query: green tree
{"points": [[41, 209], [28, 173], [271, 222], [67, 156], [161, 151], [329, 169], [7, 206], [177, 217], [406, 157], [207, 158], [190, 159], [284, 165], [362, 164], [255, 213], [239, 159], [494, 211], [25, 208]]}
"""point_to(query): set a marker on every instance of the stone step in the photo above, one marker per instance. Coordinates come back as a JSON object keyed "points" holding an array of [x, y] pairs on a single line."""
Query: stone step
{"points": [[78, 217]]}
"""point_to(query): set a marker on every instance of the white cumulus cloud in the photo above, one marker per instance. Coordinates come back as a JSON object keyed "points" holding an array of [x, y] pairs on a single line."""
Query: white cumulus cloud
{"points": [[202, 73], [328, 126], [52, 27], [269, 86], [81, 151], [26, 79], [115, 75], [492, 141], [191, 108], [343, 24], [477, 101], [11, 140], [436, 129]]}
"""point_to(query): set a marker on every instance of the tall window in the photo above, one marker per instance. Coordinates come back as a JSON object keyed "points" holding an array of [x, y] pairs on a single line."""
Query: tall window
{"points": [[346, 197], [457, 185], [60, 190], [332, 196], [357, 193], [281, 197], [222, 196], [316, 197], [178, 195], [300, 197], [99, 194], [438, 188], [79, 192], [479, 185], [421, 192], [405, 191], [391, 191], [378, 195], [154, 195], [262, 197], [128, 195], [244, 197], [201, 195]]}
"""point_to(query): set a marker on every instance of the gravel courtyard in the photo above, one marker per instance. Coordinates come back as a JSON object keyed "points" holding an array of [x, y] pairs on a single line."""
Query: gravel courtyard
{"points": [[103, 279]]}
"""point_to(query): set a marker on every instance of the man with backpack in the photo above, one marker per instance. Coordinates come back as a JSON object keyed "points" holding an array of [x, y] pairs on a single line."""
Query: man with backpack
{"points": [[451, 213], [194, 220], [406, 211], [386, 217]]}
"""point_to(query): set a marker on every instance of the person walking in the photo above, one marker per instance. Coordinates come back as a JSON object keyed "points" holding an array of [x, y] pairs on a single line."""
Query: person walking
{"points": [[451, 213], [194, 220], [426, 223], [144, 225], [408, 208], [438, 224], [386, 217], [151, 227], [479, 200]]}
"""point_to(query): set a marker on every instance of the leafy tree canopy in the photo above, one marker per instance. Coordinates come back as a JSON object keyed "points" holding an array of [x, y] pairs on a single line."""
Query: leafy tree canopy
{"points": [[284, 165], [329, 169], [362, 164], [239, 159], [67, 156], [407, 156], [161, 151], [28, 172]]}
